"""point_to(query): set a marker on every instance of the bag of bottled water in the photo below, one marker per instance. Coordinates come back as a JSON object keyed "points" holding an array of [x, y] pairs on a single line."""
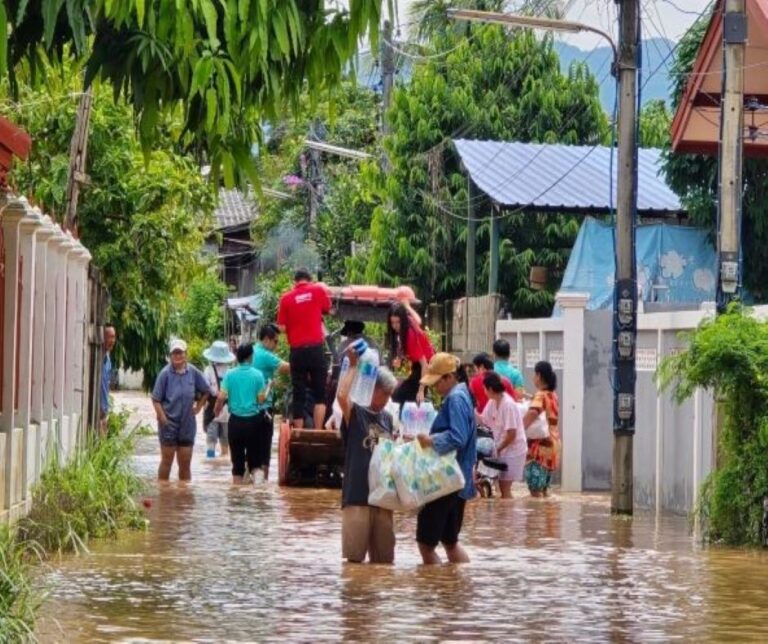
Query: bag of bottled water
{"points": [[367, 371]]}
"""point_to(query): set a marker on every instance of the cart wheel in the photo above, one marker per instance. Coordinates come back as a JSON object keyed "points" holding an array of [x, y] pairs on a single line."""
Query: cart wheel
{"points": [[284, 454], [486, 490]]}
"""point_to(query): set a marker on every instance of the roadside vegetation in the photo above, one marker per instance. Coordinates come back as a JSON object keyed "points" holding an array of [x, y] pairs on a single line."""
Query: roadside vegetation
{"points": [[729, 356], [91, 497]]}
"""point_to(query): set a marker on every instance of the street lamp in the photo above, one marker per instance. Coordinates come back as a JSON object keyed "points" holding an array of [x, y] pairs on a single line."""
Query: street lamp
{"points": [[534, 22], [625, 284]]}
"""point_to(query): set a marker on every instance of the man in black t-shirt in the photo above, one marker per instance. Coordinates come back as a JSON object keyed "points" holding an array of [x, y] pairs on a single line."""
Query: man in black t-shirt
{"points": [[366, 529]]}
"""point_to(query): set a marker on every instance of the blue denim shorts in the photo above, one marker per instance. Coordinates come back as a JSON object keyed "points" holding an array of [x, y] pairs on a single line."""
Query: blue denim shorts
{"points": [[171, 435]]}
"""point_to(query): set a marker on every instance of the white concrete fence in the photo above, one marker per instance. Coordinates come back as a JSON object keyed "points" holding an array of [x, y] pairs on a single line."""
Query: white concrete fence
{"points": [[674, 444], [44, 352]]}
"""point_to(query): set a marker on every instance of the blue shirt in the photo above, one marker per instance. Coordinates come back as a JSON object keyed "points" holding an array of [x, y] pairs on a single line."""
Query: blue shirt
{"points": [[454, 429], [267, 362], [176, 394], [512, 373], [106, 376], [243, 384]]}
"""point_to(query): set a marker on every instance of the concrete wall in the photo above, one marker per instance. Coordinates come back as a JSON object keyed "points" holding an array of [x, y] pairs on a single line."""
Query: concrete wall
{"points": [[44, 316], [673, 446]]}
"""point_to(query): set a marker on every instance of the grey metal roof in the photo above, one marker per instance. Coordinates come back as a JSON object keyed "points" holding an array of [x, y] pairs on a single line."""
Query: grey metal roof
{"points": [[234, 209], [561, 177]]}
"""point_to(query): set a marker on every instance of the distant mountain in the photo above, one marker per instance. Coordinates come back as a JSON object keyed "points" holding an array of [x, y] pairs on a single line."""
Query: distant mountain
{"points": [[656, 81], [657, 59]]}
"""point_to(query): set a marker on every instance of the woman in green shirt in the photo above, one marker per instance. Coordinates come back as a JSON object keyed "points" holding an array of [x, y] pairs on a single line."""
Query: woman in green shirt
{"points": [[243, 389]]}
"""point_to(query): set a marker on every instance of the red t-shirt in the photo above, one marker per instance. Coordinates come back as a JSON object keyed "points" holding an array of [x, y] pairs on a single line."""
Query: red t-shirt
{"points": [[417, 345], [301, 313], [478, 390]]}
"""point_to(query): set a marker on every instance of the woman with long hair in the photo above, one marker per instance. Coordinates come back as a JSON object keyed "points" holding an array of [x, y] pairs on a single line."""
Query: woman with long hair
{"points": [[543, 456], [410, 347]]}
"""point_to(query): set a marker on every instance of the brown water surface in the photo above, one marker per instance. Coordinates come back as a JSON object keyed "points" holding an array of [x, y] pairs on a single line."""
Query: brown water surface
{"points": [[255, 564]]}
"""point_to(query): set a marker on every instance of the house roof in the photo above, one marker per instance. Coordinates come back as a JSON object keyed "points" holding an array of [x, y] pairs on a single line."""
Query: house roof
{"points": [[13, 142], [562, 178], [235, 209], [696, 125]]}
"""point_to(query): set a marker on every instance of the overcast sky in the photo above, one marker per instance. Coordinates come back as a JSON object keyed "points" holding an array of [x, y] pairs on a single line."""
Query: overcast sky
{"points": [[667, 18]]}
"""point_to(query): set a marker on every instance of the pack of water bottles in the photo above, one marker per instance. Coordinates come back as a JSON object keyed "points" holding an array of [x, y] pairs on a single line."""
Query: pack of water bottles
{"points": [[366, 372], [417, 419]]}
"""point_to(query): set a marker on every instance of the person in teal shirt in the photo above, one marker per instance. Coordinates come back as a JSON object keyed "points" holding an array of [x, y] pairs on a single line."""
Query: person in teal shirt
{"points": [[243, 388], [504, 367], [269, 363]]}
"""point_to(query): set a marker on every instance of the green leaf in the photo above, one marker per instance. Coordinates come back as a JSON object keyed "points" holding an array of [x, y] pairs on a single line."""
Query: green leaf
{"points": [[211, 22], [3, 42], [210, 107], [140, 12], [281, 32], [50, 10]]}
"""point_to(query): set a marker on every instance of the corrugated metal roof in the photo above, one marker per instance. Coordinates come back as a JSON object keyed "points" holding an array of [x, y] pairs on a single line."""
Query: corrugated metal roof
{"points": [[234, 209], [561, 177]]}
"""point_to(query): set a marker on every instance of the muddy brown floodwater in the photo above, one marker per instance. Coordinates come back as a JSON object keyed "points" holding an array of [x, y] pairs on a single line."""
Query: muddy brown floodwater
{"points": [[256, 564]]}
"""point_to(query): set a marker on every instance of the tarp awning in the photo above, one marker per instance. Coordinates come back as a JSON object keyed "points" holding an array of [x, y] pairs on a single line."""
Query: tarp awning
{"points": [[562, 178]]}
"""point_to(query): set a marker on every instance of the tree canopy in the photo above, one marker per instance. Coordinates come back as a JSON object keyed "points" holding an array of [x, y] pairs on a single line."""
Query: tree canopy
{"points": [[491, 84], [222, 66], [143, 223]]}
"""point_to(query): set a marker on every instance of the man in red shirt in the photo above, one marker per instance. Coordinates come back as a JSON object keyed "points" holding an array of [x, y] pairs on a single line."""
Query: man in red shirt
{"points": [[483, 364], [300, 316]]}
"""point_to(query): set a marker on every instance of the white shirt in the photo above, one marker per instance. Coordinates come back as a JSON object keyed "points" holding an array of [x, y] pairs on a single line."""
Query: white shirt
{"points": [[501, 418]]}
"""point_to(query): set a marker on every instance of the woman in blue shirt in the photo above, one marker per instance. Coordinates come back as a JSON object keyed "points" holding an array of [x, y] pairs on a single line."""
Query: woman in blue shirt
{"points": [[453, 429], [243, 389]]}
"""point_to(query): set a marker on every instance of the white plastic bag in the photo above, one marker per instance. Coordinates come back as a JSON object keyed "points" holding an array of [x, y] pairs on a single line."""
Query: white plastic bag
{"points": [[539, 428], [422, 475], [382, 491]]}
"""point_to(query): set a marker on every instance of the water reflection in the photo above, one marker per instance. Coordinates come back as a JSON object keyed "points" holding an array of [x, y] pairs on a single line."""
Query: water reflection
{"points": [[243, 564]]}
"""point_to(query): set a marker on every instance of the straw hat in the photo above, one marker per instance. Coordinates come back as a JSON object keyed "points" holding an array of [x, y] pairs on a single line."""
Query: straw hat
{"points": [[219, 353]]}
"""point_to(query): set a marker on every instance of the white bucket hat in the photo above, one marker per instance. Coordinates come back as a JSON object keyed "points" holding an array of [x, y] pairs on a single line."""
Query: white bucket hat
{"points": [[219, 353]]}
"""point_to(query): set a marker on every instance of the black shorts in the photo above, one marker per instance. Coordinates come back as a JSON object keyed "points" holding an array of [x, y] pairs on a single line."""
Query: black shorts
{"points": [[408, 389], [440, 521], [263, 444], [308, 369]]}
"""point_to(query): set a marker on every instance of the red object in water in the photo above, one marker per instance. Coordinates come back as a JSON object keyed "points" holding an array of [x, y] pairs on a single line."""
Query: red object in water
{"points": [[147, 503]]}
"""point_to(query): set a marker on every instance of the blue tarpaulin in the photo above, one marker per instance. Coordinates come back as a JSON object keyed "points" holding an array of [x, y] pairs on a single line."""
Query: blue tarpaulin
{"points": [[674, 264]]}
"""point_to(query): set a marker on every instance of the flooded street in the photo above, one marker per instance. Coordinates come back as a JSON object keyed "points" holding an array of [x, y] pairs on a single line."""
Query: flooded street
{"points": [[254, 564]]}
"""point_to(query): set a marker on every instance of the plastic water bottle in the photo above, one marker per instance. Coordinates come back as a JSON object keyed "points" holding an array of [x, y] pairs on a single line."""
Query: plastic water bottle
{"points": [[367, 370]]}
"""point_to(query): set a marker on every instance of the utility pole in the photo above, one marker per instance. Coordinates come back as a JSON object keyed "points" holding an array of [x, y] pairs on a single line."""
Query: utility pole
{"points": [[78, 151], [387, 75], [731, 151], [625, 293]]}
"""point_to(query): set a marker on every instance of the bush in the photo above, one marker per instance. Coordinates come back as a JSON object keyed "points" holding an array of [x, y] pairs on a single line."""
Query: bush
{"points": [[92, 496], [729, 355], [18, 600]]}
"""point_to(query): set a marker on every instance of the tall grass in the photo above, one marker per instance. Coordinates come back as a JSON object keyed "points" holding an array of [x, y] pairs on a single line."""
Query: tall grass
{"points": [[18, 599], [91, 496]]}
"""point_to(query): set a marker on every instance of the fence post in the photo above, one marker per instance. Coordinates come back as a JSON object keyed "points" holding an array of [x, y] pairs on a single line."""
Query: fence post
{"points": [[572, 407]]}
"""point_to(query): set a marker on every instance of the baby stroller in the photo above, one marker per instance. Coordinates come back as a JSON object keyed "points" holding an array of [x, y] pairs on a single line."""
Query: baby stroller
{"points": [[488, 468]]}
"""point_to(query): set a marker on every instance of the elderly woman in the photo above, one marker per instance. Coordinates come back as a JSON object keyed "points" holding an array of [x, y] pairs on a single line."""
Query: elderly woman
{"points": [[180, 393], [244, 389], [216, 427], [543, 454]]}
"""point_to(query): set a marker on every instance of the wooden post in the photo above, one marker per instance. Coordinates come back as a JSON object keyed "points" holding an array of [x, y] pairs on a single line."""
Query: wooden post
{"points": [[78, 152], [731, 151]]}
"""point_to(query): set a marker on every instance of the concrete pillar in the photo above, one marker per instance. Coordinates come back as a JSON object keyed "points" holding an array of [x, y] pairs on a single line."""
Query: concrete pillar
{"points": [[40, 331], [572, 403], [12, 214], [80, 260], [28, 228], [54, 265]]}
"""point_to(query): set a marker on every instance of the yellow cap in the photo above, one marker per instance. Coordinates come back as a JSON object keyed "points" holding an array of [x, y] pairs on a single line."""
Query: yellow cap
{"points": [[440, 365]]}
